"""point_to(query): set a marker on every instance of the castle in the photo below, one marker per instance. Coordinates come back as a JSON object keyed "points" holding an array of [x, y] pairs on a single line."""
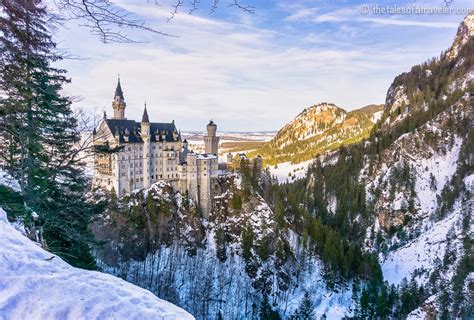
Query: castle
{"points": [[146, 152]]}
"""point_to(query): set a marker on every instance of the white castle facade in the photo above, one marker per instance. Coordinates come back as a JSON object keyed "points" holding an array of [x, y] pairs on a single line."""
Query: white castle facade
{"points": [[146, 152]]}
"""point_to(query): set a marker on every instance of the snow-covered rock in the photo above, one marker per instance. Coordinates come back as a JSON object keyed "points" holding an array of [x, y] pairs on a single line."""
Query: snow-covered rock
{"points": [[8, 181], [423, 252], [35, 284]]}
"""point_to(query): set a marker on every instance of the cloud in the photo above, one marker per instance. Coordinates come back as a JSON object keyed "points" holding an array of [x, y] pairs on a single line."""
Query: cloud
{"points": [[301, 14], [410, 23], [353, 15], [245, 75]]}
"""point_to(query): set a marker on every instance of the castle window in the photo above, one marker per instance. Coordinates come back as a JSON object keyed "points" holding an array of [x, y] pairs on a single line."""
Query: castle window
{"points": [[131, 180]]}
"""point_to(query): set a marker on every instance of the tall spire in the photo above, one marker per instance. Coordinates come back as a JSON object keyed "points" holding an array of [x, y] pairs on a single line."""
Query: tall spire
{"points": [[119, 104], [118, 90], [145, 116]]}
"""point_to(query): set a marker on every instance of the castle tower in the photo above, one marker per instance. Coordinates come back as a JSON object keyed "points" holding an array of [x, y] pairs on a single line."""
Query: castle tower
{"points": [[146, 135], [211, 142], [119, 102]]}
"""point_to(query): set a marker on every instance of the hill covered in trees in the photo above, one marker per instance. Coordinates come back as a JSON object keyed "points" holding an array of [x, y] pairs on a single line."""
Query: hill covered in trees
{"points": [[318, 129]]}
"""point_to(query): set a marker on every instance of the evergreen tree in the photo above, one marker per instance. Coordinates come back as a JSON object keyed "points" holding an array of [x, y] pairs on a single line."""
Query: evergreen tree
{"points": [[39, 133], [305, 309], [247, 244]]}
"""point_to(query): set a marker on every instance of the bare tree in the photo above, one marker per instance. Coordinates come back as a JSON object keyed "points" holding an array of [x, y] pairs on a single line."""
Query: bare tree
{"points": [[109, 22]]}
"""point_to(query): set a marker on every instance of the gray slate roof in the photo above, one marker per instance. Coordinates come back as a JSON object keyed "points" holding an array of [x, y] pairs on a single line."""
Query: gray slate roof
{"points": [[123, 126], [118, 90]]}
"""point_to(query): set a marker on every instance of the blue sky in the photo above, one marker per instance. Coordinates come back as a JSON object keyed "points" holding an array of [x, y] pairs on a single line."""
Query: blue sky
{"points": [[254, 72]]}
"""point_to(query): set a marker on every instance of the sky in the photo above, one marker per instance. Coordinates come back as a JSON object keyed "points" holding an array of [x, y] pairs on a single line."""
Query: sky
{"points": [[254, 72]]}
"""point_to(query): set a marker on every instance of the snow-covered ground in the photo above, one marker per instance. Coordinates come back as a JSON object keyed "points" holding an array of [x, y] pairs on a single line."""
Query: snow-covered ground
{"points": [[423, 252], [283, 170], [35, 284]]}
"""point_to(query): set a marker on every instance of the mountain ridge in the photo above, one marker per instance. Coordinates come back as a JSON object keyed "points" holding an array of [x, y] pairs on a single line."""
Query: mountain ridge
{"points": [[318, 129]]}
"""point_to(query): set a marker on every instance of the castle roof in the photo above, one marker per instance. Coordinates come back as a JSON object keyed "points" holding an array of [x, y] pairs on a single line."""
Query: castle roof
{"points": [[118, 90], [145, 116], [211, 123], [119, 126]]}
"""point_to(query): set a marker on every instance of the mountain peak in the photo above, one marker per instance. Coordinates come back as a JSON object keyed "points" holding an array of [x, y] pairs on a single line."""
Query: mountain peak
{"points": [[320, 108], [464, 33]]}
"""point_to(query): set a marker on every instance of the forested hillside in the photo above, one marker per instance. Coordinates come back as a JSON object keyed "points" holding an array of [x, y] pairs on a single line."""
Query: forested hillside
{"points": [[319, 129]]}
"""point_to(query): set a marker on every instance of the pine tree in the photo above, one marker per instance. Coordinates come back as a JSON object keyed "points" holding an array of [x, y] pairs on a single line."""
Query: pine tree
{"points": [[305, 309], [39, 133]]}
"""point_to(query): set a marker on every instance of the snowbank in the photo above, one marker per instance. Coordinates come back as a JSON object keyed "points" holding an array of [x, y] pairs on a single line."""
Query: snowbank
{"points": [[35, 284]]}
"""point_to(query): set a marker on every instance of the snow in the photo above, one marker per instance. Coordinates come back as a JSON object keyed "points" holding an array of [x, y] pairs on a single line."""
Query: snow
{"points": [[442, 167], [8, 181], [36, 284], [283, 170], [422, 252], [376, 116], [206, 156]]}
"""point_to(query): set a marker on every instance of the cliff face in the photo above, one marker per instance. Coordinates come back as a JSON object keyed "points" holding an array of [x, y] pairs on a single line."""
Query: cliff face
{"points": [[434, 81], [417, 175], [222, 265]]}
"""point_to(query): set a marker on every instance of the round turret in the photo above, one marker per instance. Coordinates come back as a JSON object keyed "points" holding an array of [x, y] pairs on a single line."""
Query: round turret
{"points": [[211, 129]]}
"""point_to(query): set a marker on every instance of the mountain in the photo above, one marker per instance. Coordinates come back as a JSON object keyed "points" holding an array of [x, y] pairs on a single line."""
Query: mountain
{"points": [[405, 193], [465, 32], [318, 129], [36, 284]]}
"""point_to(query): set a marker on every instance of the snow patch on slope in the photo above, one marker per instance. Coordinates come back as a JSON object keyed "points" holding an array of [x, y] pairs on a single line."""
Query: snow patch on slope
{"points": [[36, 284], [9, 181], [423, 252], [288, 172], [441, 168]]}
